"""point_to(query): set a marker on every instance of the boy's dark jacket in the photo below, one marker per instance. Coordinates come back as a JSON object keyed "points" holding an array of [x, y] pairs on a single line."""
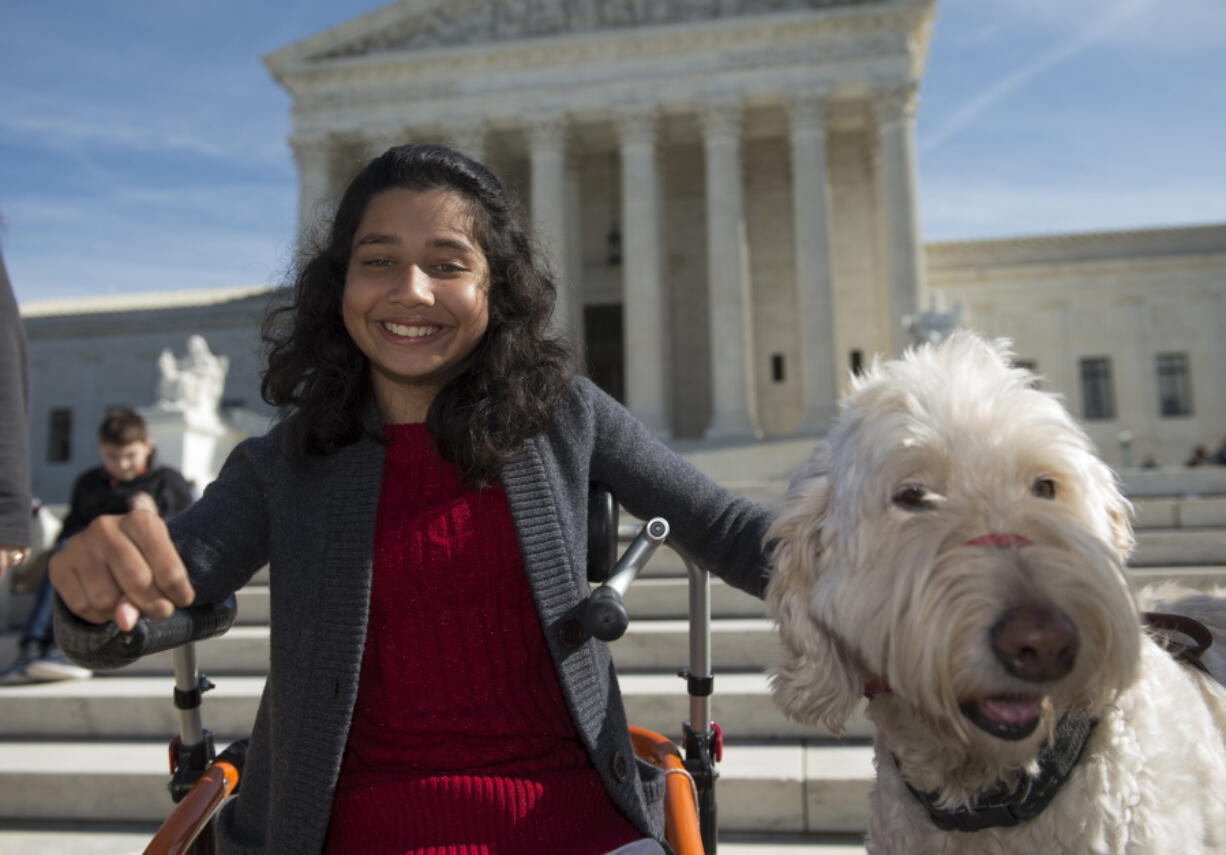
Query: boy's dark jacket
{"points": [[95, 493]]}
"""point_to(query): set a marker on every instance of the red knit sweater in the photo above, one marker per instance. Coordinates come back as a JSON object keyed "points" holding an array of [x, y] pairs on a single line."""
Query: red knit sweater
{"points": [[461, 743]]}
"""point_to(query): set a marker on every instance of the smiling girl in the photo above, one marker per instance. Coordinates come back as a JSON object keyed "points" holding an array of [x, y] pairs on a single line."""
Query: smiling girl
{"points": [[422, 506]]}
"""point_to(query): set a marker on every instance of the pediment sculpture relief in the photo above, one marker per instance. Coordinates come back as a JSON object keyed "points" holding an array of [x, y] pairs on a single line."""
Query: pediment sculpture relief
{"points": [[505, 20]]}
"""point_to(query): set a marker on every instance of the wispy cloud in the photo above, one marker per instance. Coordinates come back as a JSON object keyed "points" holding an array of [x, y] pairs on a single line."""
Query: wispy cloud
{"points": [[148, 238], [68, 123], [135, 257], [1108, 21]]}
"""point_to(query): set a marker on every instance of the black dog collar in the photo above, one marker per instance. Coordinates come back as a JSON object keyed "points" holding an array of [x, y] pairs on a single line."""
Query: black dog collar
{"points": [[1030, 797]]}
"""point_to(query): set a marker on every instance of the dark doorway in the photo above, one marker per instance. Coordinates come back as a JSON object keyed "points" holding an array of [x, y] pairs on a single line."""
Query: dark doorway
{"points": [[602, 331]]}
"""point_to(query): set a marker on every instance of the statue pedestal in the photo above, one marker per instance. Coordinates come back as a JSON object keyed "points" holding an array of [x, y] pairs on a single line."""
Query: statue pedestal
{"points": [[186, 442]]}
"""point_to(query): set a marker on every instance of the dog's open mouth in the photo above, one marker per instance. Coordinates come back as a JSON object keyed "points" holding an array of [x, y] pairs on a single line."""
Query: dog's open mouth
{"points": [[1006, 716]]}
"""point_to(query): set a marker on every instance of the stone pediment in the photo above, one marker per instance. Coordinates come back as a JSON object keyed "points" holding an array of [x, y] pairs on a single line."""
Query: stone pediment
{"points": [[426, 25]]}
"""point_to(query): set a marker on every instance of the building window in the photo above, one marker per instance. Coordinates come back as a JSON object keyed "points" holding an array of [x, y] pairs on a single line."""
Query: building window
{"points": [[613, 246], [1174, 384], [777, 373], [59, 435], [1097, 397], [857, 362], [1031, 366]]}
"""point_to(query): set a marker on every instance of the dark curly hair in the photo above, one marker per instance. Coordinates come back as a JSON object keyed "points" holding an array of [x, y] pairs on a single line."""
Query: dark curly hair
{"points": [[506, 388]]}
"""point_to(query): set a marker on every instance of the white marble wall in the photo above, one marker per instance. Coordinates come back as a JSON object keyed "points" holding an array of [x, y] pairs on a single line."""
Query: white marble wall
{"points": [[90, 373], [1127, 310], [686, 281], [861, 301], [772, 272]]}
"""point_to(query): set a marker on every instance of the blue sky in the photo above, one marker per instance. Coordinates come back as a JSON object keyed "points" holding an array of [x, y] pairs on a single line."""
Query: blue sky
{"points": [[142, 143]]}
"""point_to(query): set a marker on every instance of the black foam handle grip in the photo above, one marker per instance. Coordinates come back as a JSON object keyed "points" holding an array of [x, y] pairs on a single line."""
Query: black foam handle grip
{"points": [[194, 623], [606, 617]]}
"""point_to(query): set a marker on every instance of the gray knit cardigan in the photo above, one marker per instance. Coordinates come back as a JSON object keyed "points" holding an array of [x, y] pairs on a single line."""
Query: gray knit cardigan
{"points": [[314, 523]]}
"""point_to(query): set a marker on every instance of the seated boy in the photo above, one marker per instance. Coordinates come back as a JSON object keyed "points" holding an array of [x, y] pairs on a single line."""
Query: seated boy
{"points": [[128, 478]]}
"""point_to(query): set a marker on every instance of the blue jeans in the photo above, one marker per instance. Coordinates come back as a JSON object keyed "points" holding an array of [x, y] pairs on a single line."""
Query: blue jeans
{"points": [[39, 625]]}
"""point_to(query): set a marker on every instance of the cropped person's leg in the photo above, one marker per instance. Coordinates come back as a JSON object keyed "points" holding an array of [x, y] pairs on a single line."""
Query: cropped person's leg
{"points": [[36, 637], [50, 664], [39, 624], [17, 673]]}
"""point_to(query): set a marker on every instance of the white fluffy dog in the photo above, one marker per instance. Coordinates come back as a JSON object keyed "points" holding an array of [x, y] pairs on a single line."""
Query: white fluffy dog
{"points": [[955, 550]]}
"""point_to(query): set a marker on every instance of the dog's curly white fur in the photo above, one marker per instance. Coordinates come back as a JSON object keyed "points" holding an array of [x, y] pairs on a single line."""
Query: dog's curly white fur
{"points": [[949, 494]]}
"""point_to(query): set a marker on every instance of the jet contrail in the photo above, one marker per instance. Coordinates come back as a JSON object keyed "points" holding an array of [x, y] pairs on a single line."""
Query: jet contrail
{"points": [[1117, 15]]}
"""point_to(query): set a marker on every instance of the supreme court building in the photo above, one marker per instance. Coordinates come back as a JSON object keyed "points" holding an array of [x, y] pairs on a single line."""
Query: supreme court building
{"points": [[725, 188]]}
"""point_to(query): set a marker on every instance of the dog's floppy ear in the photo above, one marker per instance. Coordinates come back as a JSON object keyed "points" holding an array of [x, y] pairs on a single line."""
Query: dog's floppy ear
{"points": [[1119, 509], [1121, 530], [815, 677]]}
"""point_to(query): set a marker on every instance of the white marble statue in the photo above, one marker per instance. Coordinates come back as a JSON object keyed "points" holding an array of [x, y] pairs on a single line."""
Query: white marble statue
{"points": [[193, 384], [935, 324]]}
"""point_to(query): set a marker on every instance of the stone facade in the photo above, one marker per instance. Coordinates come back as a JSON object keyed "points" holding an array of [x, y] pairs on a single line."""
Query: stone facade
{"points": [[1147, 307], [1129, 297], [88, 355], [727, 192], [718, 183]]}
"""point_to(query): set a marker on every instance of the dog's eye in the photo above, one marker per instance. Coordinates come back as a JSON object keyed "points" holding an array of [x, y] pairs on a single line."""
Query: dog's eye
{"points": [[1044, 488], [912, 498]]}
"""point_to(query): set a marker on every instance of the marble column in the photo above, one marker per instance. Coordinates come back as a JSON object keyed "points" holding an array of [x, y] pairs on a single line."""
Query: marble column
{"points": [[313, 154], [378, 140], [733, 404], [1059, 373], [1136, 403], [1216, 409], [896, 195], [547, 140], [644, 309], [469, 137], [814, 268], [573, 242]]}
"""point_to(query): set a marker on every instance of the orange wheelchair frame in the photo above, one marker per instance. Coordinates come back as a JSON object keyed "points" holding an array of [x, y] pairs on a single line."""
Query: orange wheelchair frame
{"points": [[201, 780]]}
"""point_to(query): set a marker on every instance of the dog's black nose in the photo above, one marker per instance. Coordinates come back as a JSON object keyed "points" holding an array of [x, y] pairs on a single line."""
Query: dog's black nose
{"points": [[1035, 643]]}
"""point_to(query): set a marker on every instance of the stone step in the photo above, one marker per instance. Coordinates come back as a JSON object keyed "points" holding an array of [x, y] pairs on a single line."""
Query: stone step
{"points": [[1179, 547], [661, 645], [1200, 577], [1190, 511], [1174, 481], [1156, 547], [31, 838], [649, 598], [654, 597], [795, 787], [1180, 513], [118, 708], [75, 838], [787, 844], [661, 595]]}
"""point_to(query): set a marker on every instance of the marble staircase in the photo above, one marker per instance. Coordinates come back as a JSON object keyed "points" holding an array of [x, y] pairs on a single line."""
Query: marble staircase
{"points": [[83, 764]]}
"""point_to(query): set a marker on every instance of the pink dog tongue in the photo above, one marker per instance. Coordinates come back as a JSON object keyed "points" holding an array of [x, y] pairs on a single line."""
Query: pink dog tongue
{"points": [[1011, 710]]}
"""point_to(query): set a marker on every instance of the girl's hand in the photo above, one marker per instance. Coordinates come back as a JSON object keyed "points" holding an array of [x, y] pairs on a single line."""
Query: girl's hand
{"points": [[120, 568]]}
